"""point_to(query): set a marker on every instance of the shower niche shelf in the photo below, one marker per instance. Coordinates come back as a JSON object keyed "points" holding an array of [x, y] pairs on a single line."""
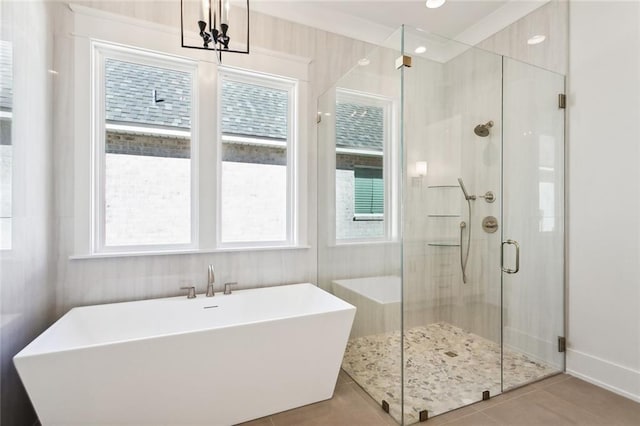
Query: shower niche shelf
{"points": [[443, 243], [443, 215]]}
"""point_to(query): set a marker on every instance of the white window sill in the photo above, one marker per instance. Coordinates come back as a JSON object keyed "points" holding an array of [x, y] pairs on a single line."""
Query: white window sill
{"points": [[187, 251], [368, 218]]}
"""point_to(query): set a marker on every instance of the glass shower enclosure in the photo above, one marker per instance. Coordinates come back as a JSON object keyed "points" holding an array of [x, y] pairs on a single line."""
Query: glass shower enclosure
{"points": [[441, 218]]}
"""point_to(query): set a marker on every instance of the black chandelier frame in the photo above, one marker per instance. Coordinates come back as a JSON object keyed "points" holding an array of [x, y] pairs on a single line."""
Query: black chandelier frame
{"points": [[213, 38]]}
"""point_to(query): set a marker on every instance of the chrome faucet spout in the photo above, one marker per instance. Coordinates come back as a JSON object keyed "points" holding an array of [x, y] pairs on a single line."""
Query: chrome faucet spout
{"points": [[211, 279]]}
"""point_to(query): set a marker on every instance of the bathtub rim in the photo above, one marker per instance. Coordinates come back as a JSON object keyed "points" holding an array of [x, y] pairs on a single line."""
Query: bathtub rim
{"points": [[31, 349]]}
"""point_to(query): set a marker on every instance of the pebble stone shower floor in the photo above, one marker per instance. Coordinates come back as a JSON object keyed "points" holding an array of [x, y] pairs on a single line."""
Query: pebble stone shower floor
{"points": [[446, 368]]}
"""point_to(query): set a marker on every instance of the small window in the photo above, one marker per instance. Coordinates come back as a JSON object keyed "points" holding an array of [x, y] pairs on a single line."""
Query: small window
{"points": [[145, 153], [363, 176], [256, 150]]}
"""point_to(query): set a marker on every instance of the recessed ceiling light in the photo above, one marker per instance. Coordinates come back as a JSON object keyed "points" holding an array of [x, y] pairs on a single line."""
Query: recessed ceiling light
{"points": [[364, 62], [536, 39], [434, 4], [420, 49]]}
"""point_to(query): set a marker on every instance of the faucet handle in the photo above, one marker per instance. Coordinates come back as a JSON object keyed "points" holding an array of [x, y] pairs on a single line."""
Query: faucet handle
{"points": [[192, 292], [227, 287]]}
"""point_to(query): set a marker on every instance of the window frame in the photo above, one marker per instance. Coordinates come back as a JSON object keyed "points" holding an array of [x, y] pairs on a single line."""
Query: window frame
{"points": [[100, 51], [143, 36], [7, 246], [291, 85], [390, 173], [8, 116]]}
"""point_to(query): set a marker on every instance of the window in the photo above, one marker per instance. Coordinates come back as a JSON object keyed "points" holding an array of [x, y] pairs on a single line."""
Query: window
{"points": [[144, 151], [6, 145], [162, 164], [257, 116], [364, 202]]}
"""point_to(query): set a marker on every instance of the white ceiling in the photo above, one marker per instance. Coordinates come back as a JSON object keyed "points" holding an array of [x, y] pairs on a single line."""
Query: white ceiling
{"points": [[449, 20], [469, 21]]}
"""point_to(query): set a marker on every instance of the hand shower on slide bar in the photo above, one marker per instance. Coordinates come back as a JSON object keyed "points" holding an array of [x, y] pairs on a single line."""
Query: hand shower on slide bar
{"points": [[465, 258], [464, 191]]}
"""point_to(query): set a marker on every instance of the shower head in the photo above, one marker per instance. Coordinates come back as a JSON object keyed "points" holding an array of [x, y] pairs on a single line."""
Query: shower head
{"points": [[464, 191], [482, 130]]}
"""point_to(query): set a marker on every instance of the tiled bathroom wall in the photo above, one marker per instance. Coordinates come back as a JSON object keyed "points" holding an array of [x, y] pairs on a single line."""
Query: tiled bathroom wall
{"points": [[550, 20], [101, 280], [27, 283]]}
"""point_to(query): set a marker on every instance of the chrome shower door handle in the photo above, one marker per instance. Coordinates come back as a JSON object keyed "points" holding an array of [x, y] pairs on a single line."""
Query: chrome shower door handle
{"points": [[507, 270]]}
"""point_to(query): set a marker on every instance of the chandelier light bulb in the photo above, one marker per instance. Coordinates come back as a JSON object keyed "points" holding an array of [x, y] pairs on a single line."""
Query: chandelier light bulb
{"points": [[434, 4]]}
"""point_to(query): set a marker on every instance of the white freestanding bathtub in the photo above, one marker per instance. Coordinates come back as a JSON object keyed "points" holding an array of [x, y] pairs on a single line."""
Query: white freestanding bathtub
{"points": [[178, 361]]}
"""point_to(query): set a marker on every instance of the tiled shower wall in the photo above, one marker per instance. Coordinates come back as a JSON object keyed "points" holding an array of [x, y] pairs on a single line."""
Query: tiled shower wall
{"points": [[444, 102]]}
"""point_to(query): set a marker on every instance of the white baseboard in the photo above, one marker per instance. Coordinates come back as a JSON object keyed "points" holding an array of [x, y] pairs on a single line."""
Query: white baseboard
{"points": [[616, 378]]}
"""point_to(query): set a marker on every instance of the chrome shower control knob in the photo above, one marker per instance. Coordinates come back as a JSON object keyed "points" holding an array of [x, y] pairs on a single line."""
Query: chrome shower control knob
{"points": [[489, 197], [490, 224]]}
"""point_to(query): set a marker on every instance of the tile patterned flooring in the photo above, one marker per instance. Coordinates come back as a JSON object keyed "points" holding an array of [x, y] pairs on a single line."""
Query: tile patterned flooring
{"points": [[435, 381], [561, 400]]}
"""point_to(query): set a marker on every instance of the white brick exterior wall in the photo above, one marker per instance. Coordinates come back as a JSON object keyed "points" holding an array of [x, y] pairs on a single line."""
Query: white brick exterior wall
{"points": [[254, 202], [148, 200]]}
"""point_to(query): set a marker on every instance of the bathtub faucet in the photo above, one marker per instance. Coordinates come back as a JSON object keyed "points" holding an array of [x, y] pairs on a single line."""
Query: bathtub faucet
{"points": [[211, 279]]}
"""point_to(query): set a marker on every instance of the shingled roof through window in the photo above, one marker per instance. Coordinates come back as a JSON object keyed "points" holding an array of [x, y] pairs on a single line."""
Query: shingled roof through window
{"points": [[359, 126], [254, 111], [130, 95], [6, 76], [247, 109]]}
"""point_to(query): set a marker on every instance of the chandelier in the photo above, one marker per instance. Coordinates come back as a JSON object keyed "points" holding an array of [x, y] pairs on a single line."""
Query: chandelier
{"points": [[204, 24]]}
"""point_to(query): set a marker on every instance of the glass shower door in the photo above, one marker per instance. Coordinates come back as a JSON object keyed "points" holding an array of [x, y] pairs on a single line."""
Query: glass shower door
{"points": [[533, 223], [451, 325]]}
